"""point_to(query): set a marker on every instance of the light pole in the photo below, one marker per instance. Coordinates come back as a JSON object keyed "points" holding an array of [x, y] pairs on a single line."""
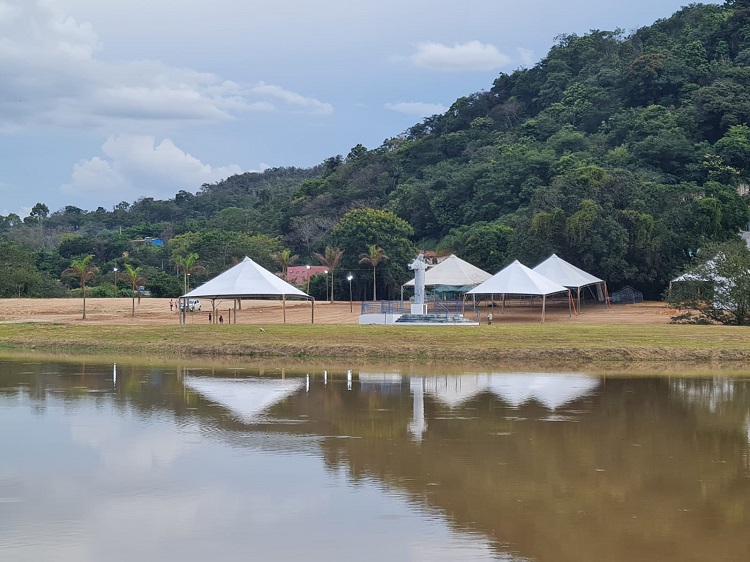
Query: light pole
{"points": [[308, 279], [326, 273], [188, 283], [114, 274], [349, 278]]}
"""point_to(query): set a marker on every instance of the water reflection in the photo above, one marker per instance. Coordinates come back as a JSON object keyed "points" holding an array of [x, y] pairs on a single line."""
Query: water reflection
{"points": [[313, 465]]}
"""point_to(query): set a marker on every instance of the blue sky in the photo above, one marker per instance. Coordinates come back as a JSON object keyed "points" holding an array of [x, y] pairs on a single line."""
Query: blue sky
{"points": [[109, 101]]}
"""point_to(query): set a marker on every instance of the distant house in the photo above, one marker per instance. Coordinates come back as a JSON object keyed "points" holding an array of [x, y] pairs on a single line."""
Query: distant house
{"points": [[149, 240], [301, 273]]}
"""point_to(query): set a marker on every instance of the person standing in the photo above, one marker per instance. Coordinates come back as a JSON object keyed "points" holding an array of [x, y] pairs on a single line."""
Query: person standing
{"points": [[489, 319], [221, 319], [171, 305]]}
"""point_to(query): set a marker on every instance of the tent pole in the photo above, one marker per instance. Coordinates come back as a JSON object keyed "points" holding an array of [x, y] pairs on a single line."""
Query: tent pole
{"points": [[502, 304], [606, 295], [544, 306], [312, 315], [235, 310], [283, 307], [579, 298], [571, 303]]}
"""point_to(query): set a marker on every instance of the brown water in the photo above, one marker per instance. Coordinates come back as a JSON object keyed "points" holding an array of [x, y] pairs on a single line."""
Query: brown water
{"points": [[103, 462]]}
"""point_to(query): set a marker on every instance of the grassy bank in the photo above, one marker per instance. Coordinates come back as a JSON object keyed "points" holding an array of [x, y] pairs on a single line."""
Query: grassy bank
{"points": [[484, 344]]}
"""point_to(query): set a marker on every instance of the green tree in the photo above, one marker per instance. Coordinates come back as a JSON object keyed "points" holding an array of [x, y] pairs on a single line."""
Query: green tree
{"points": [[162, 284], [19, 276], [40, 210], [331, 259], [362, 228], [188, 265], [734, 148], [133, 276], [85, 271], [284, 259], [373, 257], [482, 244]]}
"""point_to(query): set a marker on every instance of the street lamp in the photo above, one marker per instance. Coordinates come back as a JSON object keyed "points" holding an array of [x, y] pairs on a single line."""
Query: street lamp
{"points": [[308, 279], [114, 274], [188, 283], [349, 278], [326, 273]]}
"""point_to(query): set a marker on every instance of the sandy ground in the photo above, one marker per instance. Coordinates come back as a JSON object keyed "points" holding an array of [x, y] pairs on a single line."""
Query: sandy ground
{"points": [[153, 311]]}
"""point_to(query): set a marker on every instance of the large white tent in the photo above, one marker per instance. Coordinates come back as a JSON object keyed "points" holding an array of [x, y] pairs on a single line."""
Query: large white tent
{"points": [[517, 279], [452, 272], [570, 276], [245, 280]]}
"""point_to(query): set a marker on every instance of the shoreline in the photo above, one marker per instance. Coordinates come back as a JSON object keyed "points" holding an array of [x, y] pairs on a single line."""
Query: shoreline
{"points": [[600, 335]]}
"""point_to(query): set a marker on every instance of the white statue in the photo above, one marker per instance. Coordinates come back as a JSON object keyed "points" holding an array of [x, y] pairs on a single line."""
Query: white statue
{"points": [[418, 266]]}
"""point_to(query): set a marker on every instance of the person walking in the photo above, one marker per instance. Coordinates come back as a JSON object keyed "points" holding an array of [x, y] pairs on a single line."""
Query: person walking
{"points": [[171, 305], [489, 319], [221, 319]]}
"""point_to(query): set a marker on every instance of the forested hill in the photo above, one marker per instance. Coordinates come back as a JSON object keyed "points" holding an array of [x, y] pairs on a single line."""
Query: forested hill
{"points": [[621, 153]]}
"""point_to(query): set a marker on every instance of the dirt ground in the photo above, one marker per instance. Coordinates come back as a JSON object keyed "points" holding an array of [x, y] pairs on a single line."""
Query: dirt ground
{"points": [[154, 311]]}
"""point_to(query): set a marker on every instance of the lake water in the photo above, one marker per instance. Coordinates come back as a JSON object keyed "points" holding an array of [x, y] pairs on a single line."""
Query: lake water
{"points": [[103, 462]]}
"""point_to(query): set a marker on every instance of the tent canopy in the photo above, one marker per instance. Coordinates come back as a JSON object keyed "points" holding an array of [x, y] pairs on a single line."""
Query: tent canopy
{"points": [[246, 279], [568, 275], [517, 279], [453, 271]]}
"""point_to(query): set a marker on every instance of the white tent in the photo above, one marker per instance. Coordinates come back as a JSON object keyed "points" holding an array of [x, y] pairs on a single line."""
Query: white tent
{"points": [[708, 272], [568, 275], [244, 280], [517, 279], [453, 271]]}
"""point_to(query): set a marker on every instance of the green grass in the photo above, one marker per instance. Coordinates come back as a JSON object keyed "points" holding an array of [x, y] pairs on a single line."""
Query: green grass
{"points": [[482, 344]]}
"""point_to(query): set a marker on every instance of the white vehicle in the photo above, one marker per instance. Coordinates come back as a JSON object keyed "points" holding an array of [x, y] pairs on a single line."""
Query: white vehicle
{"points": [[193, 305]]}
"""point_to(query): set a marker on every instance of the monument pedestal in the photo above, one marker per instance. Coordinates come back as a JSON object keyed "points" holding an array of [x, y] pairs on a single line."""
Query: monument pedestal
{"points": [[419, 309]]}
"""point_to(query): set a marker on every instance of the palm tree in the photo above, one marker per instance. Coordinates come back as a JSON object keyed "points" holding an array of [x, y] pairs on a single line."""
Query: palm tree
{"points": [[373, 257], [83, 269], [284, 258], [133, 276], [188, 265], [331, 259]]}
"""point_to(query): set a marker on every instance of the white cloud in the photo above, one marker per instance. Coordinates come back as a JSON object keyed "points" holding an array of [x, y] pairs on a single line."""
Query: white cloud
{"points": [[50, 76], [292, 98], [473, 55], [134, 166], [418, 108]]}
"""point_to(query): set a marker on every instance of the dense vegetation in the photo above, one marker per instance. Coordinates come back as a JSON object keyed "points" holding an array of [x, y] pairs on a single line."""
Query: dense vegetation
{"points": [[622, 153]]}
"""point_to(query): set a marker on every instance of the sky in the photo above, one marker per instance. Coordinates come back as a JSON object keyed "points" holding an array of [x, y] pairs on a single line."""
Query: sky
{"points": [[103, 101]]}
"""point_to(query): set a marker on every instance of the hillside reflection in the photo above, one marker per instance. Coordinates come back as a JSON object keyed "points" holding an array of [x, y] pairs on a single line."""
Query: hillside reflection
{"points": [[547, 467]]}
